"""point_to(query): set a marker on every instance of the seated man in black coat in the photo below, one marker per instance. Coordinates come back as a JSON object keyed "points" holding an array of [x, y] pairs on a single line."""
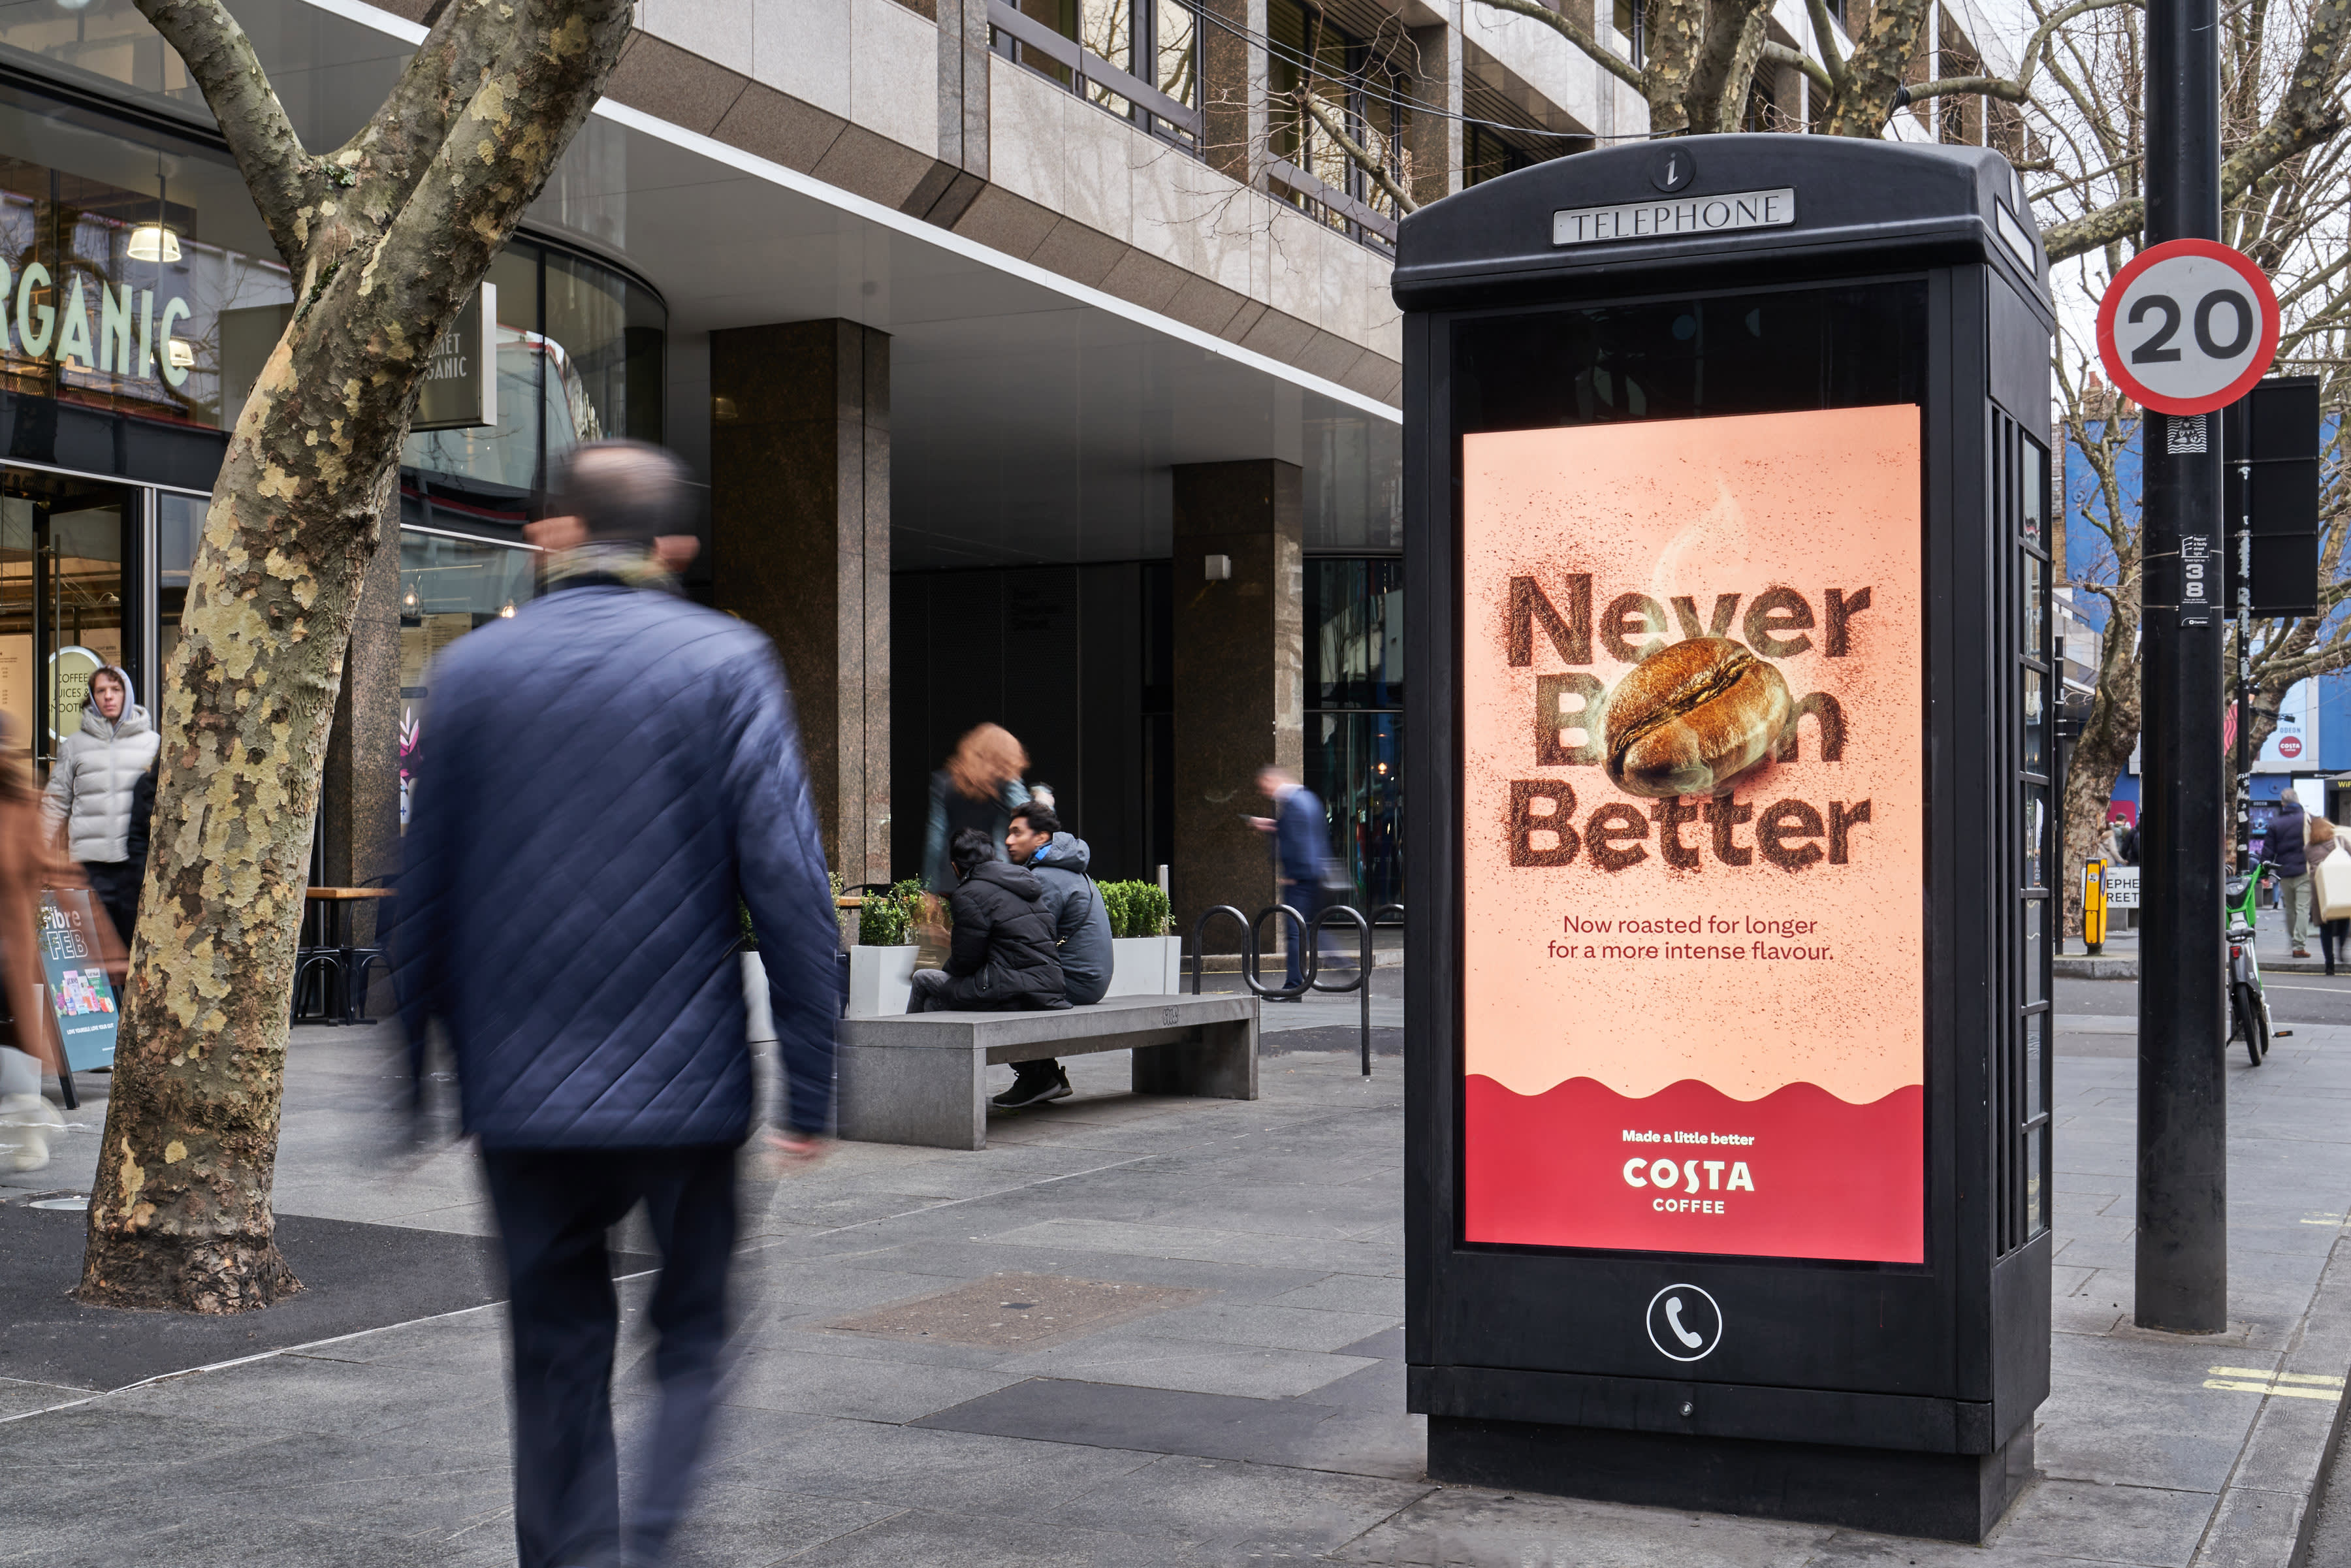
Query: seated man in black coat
{"points": [[1058, 861], [1001, 958]]}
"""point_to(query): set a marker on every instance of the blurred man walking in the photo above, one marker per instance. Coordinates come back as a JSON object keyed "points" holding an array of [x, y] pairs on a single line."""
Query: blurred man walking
{"points": [[602, 777], [1302, 868]]}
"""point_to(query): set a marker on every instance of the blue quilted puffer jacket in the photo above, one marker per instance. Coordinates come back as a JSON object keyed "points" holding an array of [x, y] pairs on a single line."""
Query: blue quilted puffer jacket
{"points": [[600, 777]]}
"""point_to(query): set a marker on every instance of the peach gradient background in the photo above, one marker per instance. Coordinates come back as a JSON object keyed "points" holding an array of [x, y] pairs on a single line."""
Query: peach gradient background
{"points": [[1810, 501]]}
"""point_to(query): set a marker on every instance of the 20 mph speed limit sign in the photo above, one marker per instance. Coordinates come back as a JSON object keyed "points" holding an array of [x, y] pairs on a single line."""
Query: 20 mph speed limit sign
{"points": [[2188, 326]]}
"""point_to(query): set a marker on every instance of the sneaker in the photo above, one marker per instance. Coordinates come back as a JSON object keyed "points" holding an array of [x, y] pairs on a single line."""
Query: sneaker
{"points": [[1034, 1088], [29, 1118]]}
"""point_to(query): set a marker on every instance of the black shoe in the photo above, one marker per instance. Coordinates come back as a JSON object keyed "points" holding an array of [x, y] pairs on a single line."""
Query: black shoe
{"points": [[1034, 1088]]}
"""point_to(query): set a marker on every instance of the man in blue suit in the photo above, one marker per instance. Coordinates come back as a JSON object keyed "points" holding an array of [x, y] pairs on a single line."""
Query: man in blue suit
{"points": [[1301, 853], [602, 778]]}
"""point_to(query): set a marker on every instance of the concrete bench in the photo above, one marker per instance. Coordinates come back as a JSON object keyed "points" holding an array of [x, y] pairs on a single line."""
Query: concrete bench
{"points": [[922, 1078]]}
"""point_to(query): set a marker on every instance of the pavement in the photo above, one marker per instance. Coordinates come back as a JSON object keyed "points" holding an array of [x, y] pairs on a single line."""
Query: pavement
{"points": [[2117, 957], [1144, 1330]]}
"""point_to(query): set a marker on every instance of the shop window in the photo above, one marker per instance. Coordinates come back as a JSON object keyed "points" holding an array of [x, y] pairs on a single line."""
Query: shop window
{"points": [[135, 276], [580, 358], [448, 585], [179, 524], [1354, 721], [62, 598]]}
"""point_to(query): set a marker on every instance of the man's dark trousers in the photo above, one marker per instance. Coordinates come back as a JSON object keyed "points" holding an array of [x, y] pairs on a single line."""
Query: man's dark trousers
{"points": [[1306, 897], [554, 1207]]}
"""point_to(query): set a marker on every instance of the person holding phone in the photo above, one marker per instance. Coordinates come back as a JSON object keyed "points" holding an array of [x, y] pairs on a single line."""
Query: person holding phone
{"points": [[1302, 864]]}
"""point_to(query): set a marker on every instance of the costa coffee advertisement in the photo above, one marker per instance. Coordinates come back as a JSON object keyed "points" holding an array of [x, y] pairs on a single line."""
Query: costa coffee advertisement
{"points": [[1693, 837]]}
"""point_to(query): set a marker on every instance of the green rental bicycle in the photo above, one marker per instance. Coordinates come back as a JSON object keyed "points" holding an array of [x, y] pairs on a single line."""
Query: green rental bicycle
{"points": [[2249, 1004]]}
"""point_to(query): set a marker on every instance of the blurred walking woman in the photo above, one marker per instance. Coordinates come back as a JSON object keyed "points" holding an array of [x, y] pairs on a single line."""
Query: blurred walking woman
{"points": [[978, 789], [90, 792], [28, 864]]}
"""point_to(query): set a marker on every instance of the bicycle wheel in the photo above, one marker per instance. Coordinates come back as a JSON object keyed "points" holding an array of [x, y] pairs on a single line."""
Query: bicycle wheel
{"points": [[2250, 1018]]}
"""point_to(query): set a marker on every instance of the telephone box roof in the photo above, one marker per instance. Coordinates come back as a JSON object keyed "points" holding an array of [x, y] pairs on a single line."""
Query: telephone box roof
{"points": [[1644, 215]]}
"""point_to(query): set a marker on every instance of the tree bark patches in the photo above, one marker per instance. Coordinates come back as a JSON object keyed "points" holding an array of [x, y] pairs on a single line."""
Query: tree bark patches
{"points": [[213, 1276]]}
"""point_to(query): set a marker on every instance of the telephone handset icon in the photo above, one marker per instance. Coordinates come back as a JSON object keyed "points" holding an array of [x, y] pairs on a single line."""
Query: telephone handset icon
{"points": [[1674, 1321], [1685, 1322]]}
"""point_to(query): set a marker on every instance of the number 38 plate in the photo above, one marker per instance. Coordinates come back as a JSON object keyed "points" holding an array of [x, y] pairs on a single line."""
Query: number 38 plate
{"points": [[2188, 326]]}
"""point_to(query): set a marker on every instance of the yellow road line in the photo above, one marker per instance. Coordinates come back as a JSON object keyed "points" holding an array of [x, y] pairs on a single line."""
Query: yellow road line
{"points": [[2330, 1394], [2316, 1379], [2285, 1384]]}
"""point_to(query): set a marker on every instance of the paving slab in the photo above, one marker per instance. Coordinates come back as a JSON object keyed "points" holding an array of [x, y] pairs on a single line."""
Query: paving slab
{"points": [[1256, 1419]]}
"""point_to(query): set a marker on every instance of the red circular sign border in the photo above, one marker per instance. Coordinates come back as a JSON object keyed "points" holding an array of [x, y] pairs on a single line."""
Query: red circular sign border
{"points": [[2236, 261]]}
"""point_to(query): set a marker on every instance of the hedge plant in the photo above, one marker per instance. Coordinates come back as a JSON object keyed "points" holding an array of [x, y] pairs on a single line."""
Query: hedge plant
{"points": [[888, 919], [1135, 908]]}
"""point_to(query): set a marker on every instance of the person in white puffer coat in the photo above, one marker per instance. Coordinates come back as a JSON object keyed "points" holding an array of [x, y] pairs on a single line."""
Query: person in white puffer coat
{"points": [[91, 787]]}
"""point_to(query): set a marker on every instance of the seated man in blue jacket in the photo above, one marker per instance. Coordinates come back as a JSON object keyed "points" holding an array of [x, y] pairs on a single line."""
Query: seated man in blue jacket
{"points": [[602, 777], [1060, 861]]}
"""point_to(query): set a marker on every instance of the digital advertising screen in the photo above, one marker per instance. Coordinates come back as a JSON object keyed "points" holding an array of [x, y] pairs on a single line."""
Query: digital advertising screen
{"points": [[1692, 836]]}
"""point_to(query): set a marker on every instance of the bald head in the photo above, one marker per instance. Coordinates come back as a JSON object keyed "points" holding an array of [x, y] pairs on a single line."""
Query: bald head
{"points": [[621, 490]]}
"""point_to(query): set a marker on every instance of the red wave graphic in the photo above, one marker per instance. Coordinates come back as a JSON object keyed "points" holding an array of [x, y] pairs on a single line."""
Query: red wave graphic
{"points": [[1820, 1178]]}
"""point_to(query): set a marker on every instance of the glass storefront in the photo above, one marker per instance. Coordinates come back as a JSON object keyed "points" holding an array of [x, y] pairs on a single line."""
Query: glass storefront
{"points": [[1354, 716], [579, 359], [63, 552], [135, 275], [449, 584], [139, 296]]}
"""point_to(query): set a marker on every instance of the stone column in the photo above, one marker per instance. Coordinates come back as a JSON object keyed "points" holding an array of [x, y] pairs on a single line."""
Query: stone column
{"points": [[800, 533], [359, 822], [1435, 139], [1240, 677], [960, 170]]}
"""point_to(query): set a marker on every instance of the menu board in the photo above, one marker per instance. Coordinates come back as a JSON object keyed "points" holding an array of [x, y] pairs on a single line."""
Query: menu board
{"points": [[1692, 837], [80, 997]]}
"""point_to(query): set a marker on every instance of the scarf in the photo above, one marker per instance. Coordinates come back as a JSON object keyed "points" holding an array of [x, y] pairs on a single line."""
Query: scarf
{"points": [[623, 561]]}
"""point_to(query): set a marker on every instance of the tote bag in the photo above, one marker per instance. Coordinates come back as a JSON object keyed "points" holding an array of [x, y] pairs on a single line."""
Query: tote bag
{"points": [[2331, 878]]}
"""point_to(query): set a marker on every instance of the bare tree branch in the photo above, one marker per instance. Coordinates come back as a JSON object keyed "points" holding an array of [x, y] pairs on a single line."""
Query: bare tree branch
{"points": [[1881, 58], [1356, 153], [281, 173], [1576, 33], [1781, 54]]}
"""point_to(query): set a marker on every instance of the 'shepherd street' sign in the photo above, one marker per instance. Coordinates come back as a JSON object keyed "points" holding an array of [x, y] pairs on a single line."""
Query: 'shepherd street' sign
{"points": [[461, 380], [1674, 216]]}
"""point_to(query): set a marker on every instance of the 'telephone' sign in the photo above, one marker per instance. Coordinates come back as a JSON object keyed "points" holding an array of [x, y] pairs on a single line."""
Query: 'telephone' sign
{"points": [[1674, 216], [133, 336], [1692, 837]]}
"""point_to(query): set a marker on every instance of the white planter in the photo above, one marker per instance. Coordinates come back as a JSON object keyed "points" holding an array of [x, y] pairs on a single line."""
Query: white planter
{"points": [[1146, 965], [880, 980], [759, 1018]]}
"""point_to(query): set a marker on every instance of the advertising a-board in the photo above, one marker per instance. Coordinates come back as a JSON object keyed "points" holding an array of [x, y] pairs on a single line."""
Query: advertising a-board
{"points": [[1693, 836], [71, 963]]}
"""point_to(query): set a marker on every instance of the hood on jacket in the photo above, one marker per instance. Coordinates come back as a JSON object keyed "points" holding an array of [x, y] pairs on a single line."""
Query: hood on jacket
{"points": [[134, 720], [1014, 880], [1064, 852]]}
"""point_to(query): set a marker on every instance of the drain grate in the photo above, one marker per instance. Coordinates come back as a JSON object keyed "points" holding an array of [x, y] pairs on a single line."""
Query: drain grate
{"points": [[1014, 1312]]}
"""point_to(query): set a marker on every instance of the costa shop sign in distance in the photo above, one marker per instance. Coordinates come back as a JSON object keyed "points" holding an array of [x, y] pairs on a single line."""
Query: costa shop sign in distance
{"points": [[1693, 997]]}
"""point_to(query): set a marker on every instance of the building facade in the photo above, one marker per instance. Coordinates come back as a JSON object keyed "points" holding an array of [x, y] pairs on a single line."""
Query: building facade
{"points": [[1038, 358]]}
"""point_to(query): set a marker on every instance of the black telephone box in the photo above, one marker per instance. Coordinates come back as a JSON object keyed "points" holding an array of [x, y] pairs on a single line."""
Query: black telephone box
{"points": [[1728, 497]]}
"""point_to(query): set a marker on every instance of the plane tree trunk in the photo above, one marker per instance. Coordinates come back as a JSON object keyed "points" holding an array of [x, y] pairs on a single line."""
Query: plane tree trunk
{"points": [[386, 238]]}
